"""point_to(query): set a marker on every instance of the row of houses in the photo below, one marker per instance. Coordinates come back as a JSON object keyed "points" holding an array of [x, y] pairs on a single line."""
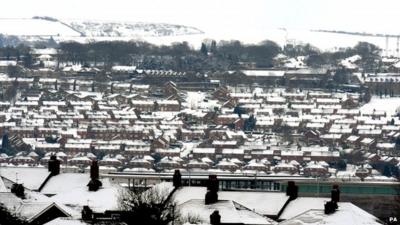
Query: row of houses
{"points": [[193, 125]]}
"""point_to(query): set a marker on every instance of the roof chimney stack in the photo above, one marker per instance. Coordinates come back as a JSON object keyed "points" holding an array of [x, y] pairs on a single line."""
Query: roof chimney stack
{"points": [[18, 190], [332, 206], [292, 190], [215, 218], [177, 179], [94, 170], [87, 213], [335, 193], [94, 183], [212, 189], [54, 165]]}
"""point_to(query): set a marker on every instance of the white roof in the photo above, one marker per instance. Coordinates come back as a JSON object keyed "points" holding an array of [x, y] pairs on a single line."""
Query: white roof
{"points": [[204, 150], [105, 198], [250, 200], [301, 205], [32, 178], [224, 142], [66, 221], [385, 145], [264, 73], [352, 138], [346, 214], [228, 210]]}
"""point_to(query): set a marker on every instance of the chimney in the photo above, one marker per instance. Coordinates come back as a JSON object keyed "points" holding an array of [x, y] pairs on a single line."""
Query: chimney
{"points": [[335, 193], [292, 190], [87, 213], [18, 190], [212, 189], [94, 183], [94, 170], [177, 179], [54, 165], [331, 206], [212, 183], [215, 218]]}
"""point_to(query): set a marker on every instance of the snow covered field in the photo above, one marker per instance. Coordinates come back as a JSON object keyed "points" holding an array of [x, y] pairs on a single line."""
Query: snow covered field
{"points": [[164, 34], [34, 27], [389, 105], [320, 40]]}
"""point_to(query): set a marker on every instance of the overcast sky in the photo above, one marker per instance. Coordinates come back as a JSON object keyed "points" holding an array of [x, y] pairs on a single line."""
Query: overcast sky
{"points": [[229, 16]]}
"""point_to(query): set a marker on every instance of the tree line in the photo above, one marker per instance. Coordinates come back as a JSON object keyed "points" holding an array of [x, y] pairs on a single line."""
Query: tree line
{"points": [[212, 56], [177, 56]]}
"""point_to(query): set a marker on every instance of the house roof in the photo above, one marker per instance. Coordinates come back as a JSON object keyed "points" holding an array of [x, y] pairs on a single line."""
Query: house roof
{"points": [[264, 73], [230, 212], [265, 203], [346, 214], [33, 210], [66, 221], [2, 186], [31, 178], [30, 209], [301, 205], [106, 198]]}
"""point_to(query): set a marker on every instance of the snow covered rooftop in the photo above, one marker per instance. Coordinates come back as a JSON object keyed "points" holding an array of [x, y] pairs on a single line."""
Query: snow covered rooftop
{"points": [[106, 198], [265, 203], [264, 73], [2, 186], [31, 178], [230, 212], [301, 205], [65, 182], [66, 221], [346, 214]]}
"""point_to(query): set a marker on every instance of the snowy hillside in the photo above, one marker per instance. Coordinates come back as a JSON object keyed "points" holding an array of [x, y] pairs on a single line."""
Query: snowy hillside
{"points": [[128, 29], [35, 27], [42, 28], [69, 30]]}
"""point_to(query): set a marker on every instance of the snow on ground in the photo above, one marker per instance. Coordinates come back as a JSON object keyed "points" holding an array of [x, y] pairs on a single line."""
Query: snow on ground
{"points": [[164, 34], [389, 105], [98, 28], [35, 27]]}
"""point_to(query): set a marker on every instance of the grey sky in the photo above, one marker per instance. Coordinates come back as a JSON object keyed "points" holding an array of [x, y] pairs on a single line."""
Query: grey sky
{"points": [[232, 17]]}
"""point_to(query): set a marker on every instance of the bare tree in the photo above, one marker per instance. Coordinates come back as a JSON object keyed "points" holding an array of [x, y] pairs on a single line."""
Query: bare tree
{"points": [[151, 207]]}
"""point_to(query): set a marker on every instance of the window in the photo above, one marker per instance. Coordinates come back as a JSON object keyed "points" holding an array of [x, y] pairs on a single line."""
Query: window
{"points": [[277, 187]]}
